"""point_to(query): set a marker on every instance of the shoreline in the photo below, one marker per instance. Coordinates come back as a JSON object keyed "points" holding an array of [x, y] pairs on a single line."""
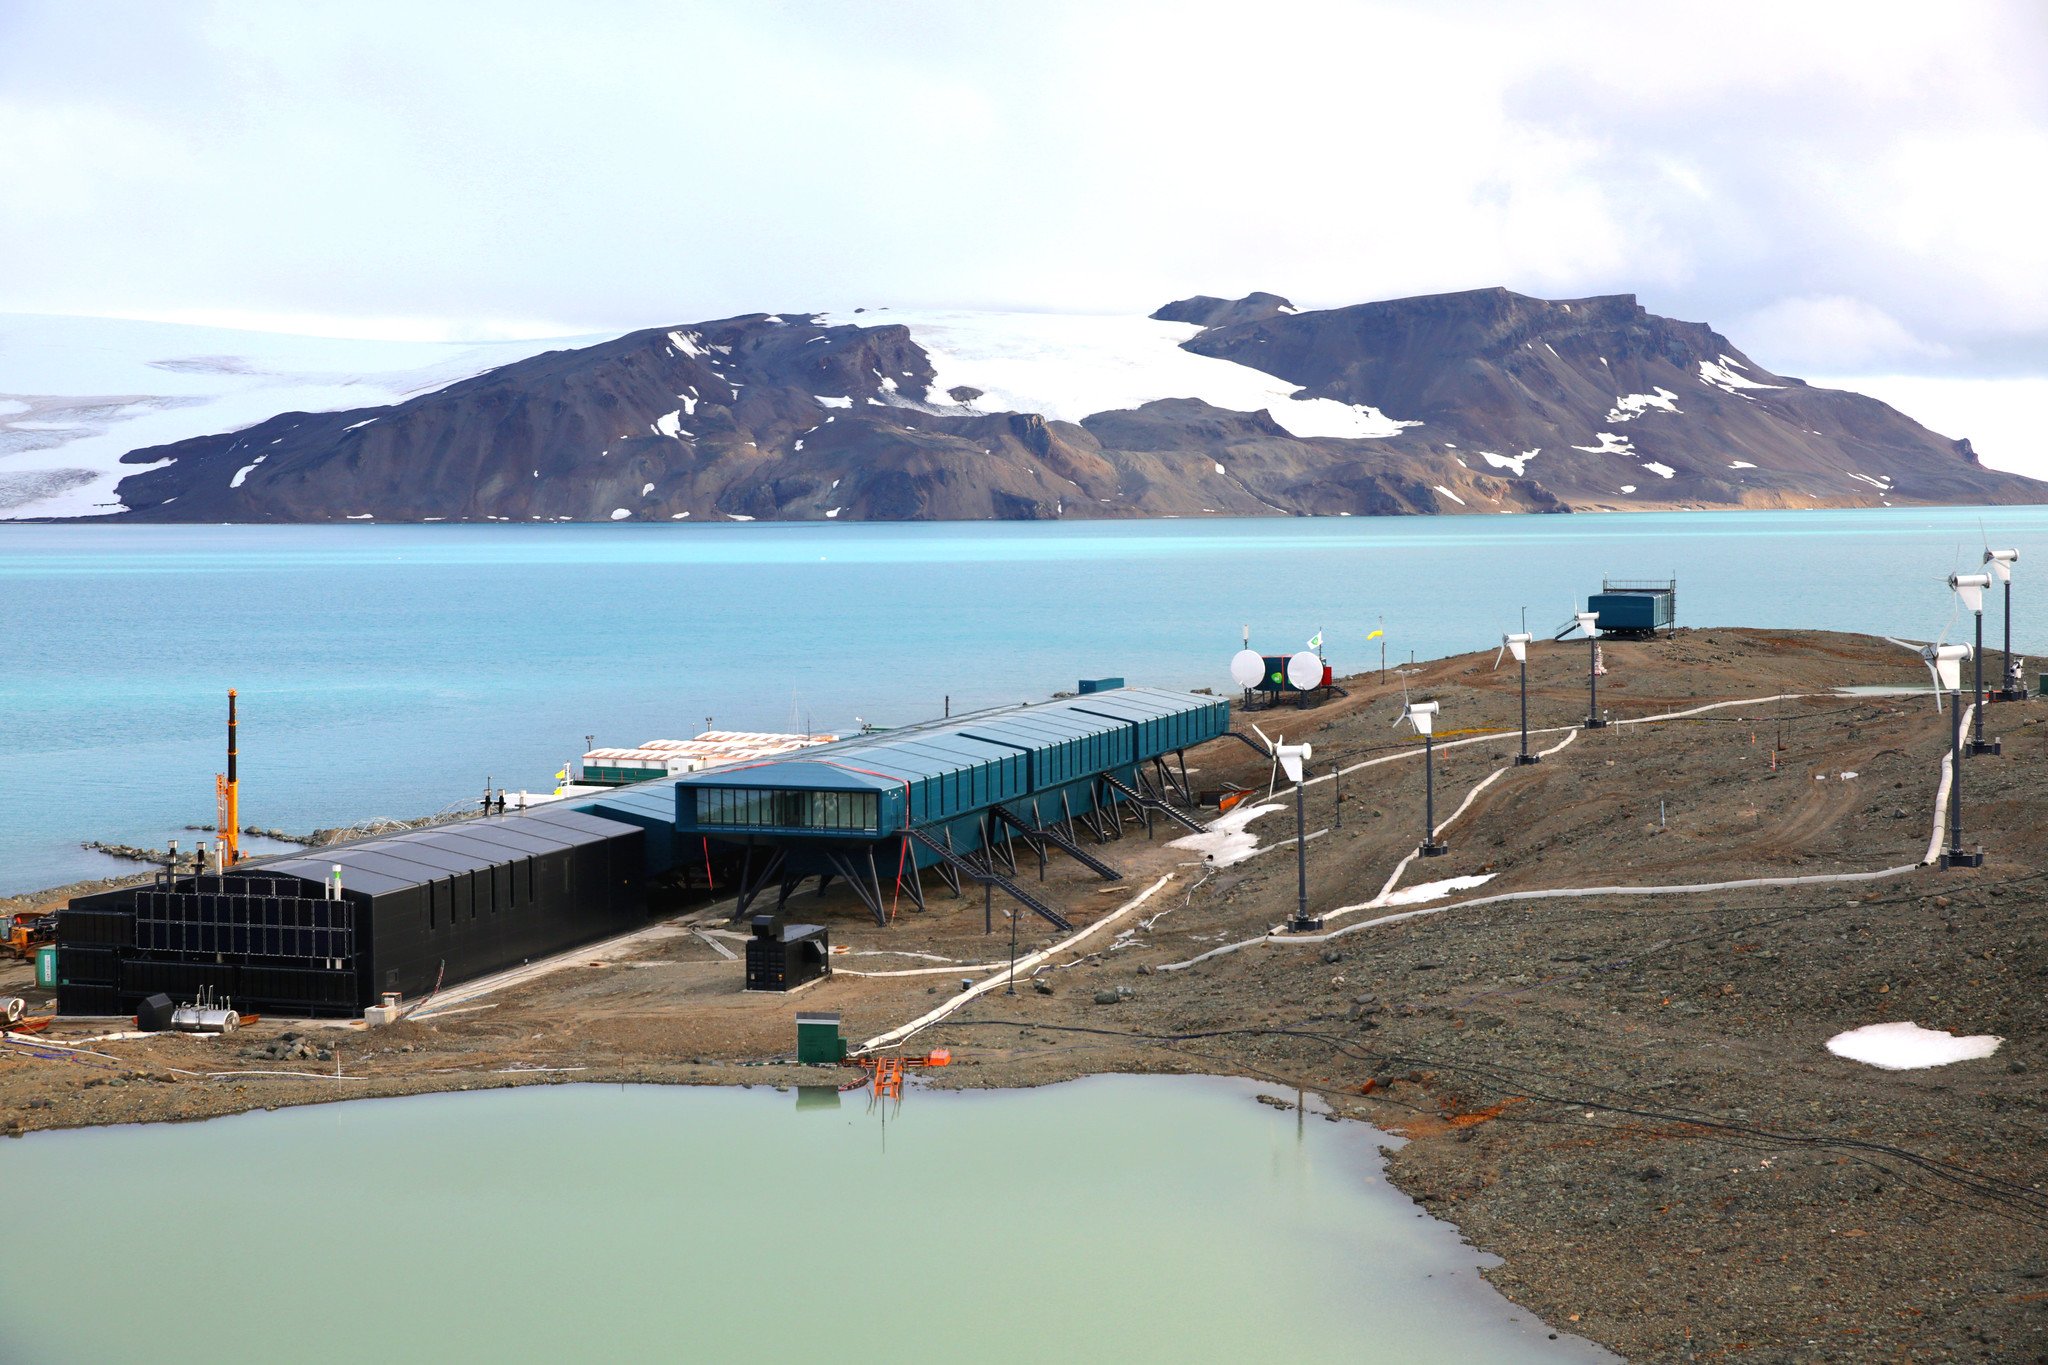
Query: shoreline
{"points": [[1624, 1098]]}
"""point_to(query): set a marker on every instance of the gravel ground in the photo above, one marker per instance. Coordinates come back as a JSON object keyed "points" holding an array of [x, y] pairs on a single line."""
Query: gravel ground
{"points": [[1628, 1098]]}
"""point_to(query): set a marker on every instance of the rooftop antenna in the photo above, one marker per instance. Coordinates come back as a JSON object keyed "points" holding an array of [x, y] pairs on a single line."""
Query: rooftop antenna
{"points": [[1969, 590], [1422, 715], [227, 796], [1518, 644], [1945, 665], [2000, 562], [1589, 622]]}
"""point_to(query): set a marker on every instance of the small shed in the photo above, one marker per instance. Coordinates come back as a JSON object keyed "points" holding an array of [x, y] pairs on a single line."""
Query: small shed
{"points": [[1635, 606]]}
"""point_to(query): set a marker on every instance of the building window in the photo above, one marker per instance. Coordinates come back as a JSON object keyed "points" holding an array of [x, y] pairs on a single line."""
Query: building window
{"points": [[849, 812]]}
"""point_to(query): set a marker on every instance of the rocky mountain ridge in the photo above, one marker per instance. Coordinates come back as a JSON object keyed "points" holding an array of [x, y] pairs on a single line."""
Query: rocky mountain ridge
{"points": [[1485, 400]]}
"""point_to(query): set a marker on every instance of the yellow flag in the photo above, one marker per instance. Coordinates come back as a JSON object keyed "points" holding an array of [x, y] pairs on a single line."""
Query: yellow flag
{"points": [[1375, 635]]}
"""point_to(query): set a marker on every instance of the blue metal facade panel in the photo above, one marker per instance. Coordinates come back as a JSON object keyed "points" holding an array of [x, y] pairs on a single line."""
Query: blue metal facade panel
{"points": [[945, 776]]}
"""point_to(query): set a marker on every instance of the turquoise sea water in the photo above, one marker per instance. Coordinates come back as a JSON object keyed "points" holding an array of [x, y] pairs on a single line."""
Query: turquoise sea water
{"points": [[1112, 1219], [386, 670]]}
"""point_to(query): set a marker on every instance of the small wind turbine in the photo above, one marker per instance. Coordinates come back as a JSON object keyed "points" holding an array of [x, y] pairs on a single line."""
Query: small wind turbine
{"points": [[1422, 715], [1518, 644], [1969, 590], [2000, 562], [1945, 665], [1589, 622], [1292, 759]]}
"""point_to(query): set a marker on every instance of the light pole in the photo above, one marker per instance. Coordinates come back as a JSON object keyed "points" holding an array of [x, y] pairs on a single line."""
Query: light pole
{"points": [[2000, 562], [1970, 588], [1294, 762], [1590, 622], [1422, 715], [1518, 644], [1945, 662]]}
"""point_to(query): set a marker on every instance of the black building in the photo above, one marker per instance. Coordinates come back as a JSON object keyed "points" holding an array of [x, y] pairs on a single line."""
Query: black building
{"points": [[408, 912]]}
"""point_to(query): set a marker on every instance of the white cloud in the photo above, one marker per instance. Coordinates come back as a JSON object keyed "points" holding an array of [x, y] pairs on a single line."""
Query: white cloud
{"points": [[1793, 336], [395, 167]]}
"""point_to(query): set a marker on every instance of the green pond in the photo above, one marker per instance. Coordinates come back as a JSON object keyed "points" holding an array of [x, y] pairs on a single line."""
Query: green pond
{"points": [[1115, 1218]]}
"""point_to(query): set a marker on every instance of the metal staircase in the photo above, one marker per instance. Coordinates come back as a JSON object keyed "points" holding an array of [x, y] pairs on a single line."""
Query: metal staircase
{"points": [[1059, 840], [1155, 804], [986, 875]]}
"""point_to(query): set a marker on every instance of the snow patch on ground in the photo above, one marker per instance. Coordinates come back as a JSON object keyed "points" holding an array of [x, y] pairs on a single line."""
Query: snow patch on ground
{"points": [[833, 513], [1429, 891], [670, 424], [1880, 483], [689, 343], [353, 425], [841, 402], [1630, 406], [735, 516], [1908, 1047], [1740, 464], [1726, 377], [1227, 841], [1662, 471], [1518, 463], [1449, 494], [1628, 488], [1610, 444], [245, 470], [645, 489], [1070, 366], [620, 514]]}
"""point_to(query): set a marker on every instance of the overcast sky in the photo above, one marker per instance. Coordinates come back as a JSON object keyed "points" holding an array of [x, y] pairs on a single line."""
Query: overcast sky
{"points": [[1843, 189]]}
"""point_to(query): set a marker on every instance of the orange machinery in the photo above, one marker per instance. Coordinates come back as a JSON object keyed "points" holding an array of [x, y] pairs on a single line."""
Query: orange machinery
{"points": [[227, 795], [28, 929]]}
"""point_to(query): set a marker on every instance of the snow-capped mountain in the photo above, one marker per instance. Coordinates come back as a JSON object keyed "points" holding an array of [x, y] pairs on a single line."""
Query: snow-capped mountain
{"points": [[1482, 401]]}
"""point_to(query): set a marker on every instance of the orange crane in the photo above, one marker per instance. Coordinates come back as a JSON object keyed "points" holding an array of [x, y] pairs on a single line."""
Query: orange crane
{"points": [[227, 795]]}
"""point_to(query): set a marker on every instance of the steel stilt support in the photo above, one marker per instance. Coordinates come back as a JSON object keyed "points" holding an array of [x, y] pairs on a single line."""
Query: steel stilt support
{"points": [[1431, 847], [1978, 744]]}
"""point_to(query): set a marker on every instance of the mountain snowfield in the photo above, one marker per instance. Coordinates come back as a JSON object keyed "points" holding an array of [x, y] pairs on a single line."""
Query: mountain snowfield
{"points": [[1069, 366], [78, 393]]}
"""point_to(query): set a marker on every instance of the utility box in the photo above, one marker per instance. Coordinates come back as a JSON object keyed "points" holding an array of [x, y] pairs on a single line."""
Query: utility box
{"points": [[1093, 685], [46, 966], [818, 1041], [783, 957], [1635, 606]]}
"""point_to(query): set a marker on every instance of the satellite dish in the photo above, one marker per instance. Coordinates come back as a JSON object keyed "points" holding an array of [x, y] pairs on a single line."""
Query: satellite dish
{"points": [[1247, 668], [1304, 671]]}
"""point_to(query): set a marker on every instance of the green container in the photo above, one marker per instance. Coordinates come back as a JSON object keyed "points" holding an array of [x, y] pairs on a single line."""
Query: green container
{"points": [[818, 1040], [46, 966]]}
